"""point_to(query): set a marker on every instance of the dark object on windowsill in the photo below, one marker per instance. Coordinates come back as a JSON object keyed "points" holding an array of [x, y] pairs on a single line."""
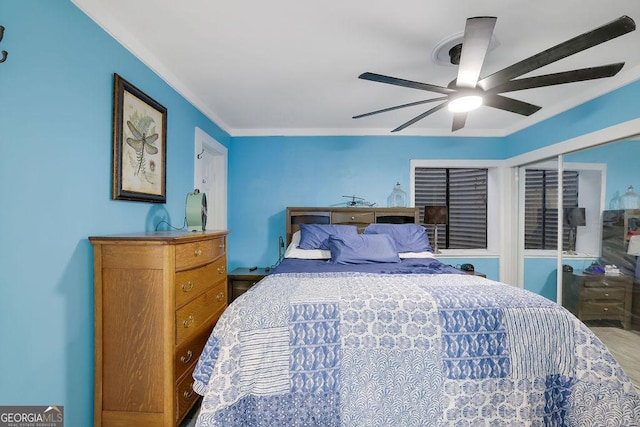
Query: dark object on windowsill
{"points": [[467, 267]]}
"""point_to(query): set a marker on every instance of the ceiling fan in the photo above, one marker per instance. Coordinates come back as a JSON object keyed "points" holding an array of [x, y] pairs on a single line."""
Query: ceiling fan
{"points": [[469, 90]]}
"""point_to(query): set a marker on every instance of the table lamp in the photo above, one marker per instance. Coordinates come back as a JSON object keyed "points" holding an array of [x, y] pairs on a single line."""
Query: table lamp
{"points": [[574, 218], [634, 249], [434, 215]]}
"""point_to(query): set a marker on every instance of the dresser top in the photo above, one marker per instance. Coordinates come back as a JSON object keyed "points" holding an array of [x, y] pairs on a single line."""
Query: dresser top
{"points": [[172, 236]]}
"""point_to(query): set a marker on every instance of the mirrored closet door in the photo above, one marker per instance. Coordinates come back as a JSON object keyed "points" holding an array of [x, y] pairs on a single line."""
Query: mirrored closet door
{"points": [[574, 233], [598, 282]]}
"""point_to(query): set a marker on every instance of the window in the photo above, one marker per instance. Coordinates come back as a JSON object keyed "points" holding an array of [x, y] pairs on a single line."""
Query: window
{"points": [[464, 191], [541, 207]]}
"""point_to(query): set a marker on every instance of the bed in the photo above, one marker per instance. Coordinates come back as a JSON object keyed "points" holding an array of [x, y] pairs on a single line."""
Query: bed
{"points": [[369, 337]]}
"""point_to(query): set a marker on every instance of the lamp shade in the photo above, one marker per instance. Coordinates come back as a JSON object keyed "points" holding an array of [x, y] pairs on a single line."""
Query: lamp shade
{"points": [[634, 245], [436, 215], [575, 217]]}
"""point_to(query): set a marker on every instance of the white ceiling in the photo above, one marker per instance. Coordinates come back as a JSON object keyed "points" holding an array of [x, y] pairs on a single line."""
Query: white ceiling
{"points": [[290, 67]]}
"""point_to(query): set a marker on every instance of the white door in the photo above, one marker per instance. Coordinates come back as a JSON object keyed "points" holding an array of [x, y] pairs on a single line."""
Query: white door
{"points": [[210, 177]]}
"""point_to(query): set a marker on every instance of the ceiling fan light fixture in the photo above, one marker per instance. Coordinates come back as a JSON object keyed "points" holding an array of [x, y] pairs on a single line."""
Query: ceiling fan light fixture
{"points": [[467, 91], [465, 103]]}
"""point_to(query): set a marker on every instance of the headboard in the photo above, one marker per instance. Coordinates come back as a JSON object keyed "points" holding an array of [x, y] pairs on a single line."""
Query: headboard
{"points": [[360, 217]]}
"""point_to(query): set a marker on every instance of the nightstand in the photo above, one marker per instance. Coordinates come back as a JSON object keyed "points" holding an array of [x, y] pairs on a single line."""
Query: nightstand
{"points": [[475, 273], [635, 310], [242, 279], [598, 297]]}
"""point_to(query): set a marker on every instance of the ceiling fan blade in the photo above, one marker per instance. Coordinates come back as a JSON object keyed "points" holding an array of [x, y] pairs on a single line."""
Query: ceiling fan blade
{"points": [[609, 31], [510, 104], [420, 117], [582, 74], [404, 83], [477, 36], [397, 107], [459, 119]]}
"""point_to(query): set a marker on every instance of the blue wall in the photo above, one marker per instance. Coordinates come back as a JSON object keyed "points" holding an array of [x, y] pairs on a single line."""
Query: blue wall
{"points": [[55, 187], [616, 107], [55, 179], [621, 159], [269, 173]]}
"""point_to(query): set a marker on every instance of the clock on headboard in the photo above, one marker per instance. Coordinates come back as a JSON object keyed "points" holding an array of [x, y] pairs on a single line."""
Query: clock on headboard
{"points": [[360, 217]]}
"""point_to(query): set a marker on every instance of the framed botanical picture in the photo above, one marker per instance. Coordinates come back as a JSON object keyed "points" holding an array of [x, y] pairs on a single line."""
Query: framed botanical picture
{"points": [[139, 145]]}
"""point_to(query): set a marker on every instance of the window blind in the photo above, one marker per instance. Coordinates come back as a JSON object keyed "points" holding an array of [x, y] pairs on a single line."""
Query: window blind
{"points": [[464, 192], [541, 207]]}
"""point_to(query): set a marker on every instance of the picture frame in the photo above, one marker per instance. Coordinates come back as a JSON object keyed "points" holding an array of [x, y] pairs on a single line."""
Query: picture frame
{"points": [[139, 161]]}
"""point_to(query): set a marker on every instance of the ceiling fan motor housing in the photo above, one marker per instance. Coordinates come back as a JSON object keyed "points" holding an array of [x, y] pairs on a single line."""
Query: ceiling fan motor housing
{"points": [[454, 54]]}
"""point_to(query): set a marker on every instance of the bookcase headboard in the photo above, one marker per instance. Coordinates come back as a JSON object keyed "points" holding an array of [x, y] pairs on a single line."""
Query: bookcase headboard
{"points": [[360, 217]]}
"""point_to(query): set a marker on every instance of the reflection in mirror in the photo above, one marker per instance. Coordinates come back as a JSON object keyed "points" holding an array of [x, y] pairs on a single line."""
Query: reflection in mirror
{"points": [[558, 213], [599, 284], [539, 202]]}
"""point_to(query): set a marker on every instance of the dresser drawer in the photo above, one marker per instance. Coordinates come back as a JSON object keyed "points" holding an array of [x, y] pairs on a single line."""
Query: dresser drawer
{"points": [[193, 254], [188, 352], [185, 396], [352, 218], [191, 317], [605, 294], [604, 281], [602, 308], [191, 283]]}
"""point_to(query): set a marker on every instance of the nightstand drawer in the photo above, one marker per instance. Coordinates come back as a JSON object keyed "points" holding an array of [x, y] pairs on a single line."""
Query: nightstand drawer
{"points": [[606, 281], [605, 294], [239, 287], [242, 279], [191, 283], [604, 308]]}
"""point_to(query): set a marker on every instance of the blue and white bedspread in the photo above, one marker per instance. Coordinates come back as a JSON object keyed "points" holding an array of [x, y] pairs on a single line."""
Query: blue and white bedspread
{"points": [[359, 349]]}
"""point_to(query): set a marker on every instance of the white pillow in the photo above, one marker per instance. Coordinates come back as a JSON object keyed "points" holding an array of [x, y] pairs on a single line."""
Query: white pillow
{"points": [[293, 251], [425, 254]]}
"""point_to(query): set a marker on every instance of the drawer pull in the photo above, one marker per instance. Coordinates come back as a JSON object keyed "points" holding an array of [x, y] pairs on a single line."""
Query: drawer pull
{"points": [[221, 269], [198, 252], [606, 309], [187, 287], [353, 218], [220, 296], [187, 358], [606, 295], [188, 393], [188, 322], [221, 246]]}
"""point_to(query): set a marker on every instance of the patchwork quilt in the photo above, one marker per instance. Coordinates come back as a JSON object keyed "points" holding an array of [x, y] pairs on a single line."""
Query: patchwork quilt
{"points": [[362, 349]]}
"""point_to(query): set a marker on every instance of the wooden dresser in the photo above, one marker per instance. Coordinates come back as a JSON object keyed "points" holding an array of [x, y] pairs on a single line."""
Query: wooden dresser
{"points": [[157, 297], [598, 297]]}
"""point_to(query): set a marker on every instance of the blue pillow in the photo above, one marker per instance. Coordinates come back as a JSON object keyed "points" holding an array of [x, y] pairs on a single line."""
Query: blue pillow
{"points": [[314, 236], [408, 237], [362, 249]]}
